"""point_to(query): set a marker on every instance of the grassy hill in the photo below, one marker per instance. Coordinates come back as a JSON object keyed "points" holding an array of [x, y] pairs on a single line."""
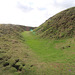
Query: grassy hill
{"points": [[22, 52], [61, 25], [15, 56]]}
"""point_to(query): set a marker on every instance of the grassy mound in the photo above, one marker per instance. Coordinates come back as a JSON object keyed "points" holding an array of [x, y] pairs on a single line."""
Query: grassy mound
{"points": [[15, 56], [60, 25]]}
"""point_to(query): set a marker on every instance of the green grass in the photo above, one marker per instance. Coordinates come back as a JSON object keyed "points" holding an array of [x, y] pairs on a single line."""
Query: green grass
{"points": [[46, 48], [55, 59], [36, 56]]}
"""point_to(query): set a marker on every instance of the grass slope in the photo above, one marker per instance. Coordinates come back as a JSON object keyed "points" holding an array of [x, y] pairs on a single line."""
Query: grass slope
{"points": [[61, 25], [58, 55], [15, 56], [26, 54]]}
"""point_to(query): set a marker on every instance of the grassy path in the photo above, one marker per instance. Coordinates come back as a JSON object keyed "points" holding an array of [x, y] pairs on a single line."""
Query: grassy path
{"points": [[43, 48], [47, 50], [35, 56], [57, 61]]}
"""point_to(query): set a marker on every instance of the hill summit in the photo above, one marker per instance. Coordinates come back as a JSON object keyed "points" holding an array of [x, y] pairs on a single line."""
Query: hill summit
{"points": [[61, 25]]}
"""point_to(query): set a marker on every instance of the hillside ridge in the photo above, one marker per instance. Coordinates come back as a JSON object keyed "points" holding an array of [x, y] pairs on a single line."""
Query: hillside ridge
{"points": [[61, 25]]}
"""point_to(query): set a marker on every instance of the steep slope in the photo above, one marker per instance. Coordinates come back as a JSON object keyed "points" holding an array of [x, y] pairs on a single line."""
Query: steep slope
{"points": [[60, 25]]}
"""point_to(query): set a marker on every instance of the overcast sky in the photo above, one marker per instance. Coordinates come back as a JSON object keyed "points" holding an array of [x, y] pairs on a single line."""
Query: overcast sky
{"points": [[31, 12]]}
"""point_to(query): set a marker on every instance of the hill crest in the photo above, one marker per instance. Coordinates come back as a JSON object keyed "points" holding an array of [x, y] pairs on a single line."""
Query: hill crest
{"points": [[61, 25]]}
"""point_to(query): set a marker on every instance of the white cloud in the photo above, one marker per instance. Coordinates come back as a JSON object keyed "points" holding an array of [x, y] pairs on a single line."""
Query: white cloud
{"points": [[24, 8], [31, 12]]}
